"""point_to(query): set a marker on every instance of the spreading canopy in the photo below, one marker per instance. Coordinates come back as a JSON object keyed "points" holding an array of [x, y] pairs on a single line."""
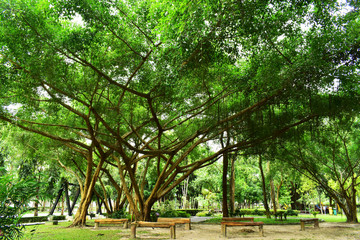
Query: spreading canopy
{"points": [[153, 81]]}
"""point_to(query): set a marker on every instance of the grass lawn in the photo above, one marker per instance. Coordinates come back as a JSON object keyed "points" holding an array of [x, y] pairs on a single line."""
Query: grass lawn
{"points": [[61, 231]]}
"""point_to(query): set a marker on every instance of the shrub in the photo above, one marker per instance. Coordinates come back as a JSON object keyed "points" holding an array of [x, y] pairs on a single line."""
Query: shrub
{"points": [[154, 215], [14, 195], [204, 214], [192, 212], [119, 214], [258, 212], [33, 219], [291, 212], [314, 213], [174, 213]]}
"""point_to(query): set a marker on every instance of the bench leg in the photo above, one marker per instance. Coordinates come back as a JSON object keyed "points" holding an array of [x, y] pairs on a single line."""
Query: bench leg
{"points": [[187, 226], [223, 230], [96, 225], [133, 230], [316, 223], [172, 232], [261, 230], [302, 226]]}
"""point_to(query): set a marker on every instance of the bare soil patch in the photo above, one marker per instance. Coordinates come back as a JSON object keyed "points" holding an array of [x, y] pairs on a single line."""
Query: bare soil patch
{"points": [[202, 231]]}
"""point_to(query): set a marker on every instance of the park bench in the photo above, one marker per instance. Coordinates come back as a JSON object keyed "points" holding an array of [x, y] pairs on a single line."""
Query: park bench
{"points": [[233, 219], [309, 220], [111, 221], [226, 224], [170, 225], [185, 221]]}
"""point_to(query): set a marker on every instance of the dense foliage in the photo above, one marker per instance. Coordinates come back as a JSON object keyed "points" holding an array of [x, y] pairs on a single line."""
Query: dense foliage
{"points": [[137, 93], [14, 197]]}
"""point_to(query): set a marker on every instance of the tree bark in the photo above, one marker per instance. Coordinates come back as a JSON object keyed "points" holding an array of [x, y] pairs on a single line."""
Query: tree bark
{"points": [[232, 184], [225, 209], [267, 210], [272, 194], [87, 191]]}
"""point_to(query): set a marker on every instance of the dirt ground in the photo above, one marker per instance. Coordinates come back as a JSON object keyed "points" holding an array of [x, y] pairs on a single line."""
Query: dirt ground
{"points": [[202, 231]]}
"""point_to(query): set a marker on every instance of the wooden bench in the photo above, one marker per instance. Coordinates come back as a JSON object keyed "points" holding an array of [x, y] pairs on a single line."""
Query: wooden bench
{"points": [[185, 221], [170, 225], [224, 225], [111, 221], [309, 220], [234, 219]]}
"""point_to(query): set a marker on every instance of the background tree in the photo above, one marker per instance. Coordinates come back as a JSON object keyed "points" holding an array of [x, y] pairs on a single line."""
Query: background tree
{"points": [[330, 158]]}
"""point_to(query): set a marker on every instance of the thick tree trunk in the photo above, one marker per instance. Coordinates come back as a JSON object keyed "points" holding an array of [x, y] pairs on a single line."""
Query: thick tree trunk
{"points": [[267, 210], [225, 209], [349, 207], [87, 192], [146, 215], [295, 196]]}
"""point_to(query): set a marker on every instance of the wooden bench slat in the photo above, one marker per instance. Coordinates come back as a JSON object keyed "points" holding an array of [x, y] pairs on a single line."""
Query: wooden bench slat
{"points": [[231, 219], [185, 221], [111, 221], [175, 220], [308, 219], [224, 226], [170, 225], [242, 223], [155, 224]]}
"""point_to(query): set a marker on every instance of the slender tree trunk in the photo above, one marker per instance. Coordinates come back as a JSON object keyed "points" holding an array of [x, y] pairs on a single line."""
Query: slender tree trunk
{"points": [[232, 184], [225, 209], [267, 210], [62, 205], [272, 194], [185, 192], [36, 207], [278, 194], [43, 206]]}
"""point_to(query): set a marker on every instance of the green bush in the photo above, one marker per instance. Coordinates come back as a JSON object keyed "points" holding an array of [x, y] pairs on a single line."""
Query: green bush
{"points": [[14, 194], [204, 214], [153, 216], [119, 214], [291, 212], [175, 213], [236, 213], [314, 213], [261, 212], [192, 212], [33, 219], [61, 217]]}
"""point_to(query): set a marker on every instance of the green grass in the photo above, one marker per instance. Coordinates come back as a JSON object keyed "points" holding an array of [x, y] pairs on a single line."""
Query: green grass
{"points": [[62, 232]]}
